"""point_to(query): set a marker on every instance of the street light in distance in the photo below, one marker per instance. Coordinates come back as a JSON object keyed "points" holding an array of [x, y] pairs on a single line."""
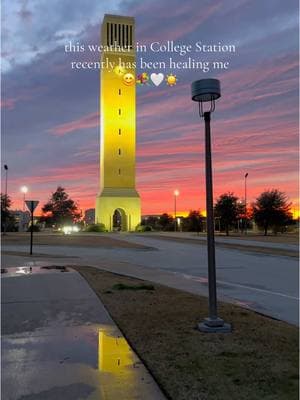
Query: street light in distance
{"points": [[176, 194], [5, 223], [246, 176], [24, 190]]}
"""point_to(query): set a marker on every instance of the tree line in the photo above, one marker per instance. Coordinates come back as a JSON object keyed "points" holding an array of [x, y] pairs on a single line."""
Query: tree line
{"points": [[271, 210]]}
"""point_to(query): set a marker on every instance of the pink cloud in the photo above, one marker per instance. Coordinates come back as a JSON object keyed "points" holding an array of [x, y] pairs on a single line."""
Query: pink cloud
{"points": [[22, 95], [8, 103], [88, 121], [186, 22]]}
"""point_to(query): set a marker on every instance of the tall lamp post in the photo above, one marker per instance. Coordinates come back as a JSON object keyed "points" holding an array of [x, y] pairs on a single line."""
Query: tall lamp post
{"points": [[176, 194], [24, 190], [6, 214], [6, 171], [207, 91], [246, 176]]}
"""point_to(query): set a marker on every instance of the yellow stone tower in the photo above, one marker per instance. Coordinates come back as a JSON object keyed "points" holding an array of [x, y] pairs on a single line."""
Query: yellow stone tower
{"points": [[118, 203]]}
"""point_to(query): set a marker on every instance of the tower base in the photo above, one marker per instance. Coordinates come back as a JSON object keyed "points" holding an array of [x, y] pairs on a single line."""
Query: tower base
{"points": [[126, 201]]}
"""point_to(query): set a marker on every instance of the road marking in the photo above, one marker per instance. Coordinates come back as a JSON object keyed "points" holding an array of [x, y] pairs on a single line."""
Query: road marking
{"points": [[259, 290], [204, 280]]}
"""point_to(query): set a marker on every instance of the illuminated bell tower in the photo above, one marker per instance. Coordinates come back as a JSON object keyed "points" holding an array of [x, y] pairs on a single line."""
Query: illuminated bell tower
{"points": [[118, 203]]}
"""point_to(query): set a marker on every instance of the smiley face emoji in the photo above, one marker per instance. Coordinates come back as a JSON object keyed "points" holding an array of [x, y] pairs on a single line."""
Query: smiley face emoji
{"points": [[128, 79]]}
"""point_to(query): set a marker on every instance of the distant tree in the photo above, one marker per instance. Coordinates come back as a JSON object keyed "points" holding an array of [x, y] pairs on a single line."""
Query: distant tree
{"points": [[60, 209], [166, 222], [193, 222], [8, 222], [271, 210], [151, 221], [226, 208]]}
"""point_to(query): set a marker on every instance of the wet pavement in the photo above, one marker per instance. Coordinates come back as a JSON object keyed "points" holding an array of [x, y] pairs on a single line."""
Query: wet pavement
{"points": [[268, 284], [58, 341]]}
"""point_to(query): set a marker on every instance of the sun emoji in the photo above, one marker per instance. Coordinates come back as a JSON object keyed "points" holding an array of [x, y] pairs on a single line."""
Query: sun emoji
{"points": [[171, 80]]}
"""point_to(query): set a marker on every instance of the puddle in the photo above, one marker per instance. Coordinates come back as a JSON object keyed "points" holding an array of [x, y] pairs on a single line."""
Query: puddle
{"points": [[36, 269], [57, 335], [57, 267], [23, 270], [97, 357]]}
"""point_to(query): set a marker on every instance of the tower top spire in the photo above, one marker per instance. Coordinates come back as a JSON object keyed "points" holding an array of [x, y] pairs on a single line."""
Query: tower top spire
{"points": [[118, 31]]}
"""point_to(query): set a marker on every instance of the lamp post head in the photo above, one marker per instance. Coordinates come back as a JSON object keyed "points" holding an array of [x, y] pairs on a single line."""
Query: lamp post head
{"points": [[246, 175], [24, 189], [176, 192], [206, 90], [5, 167]]}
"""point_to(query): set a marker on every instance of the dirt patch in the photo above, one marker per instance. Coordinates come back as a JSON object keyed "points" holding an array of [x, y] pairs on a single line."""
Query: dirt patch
{"points": [[259, 360]]}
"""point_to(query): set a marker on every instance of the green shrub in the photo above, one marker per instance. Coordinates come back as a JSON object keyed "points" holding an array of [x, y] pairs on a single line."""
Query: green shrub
{"points": [[143, 228], [95, 228]]}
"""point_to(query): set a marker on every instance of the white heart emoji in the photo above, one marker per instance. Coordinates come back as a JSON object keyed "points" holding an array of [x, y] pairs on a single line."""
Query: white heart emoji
{"points": [[157, 78]]}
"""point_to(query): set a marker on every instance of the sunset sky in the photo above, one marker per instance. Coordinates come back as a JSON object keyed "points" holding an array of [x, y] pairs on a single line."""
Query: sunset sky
{"points": [[50, 113]]}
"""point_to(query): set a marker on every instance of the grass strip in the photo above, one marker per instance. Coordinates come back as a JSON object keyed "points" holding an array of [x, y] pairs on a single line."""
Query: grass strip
{"points": [[258, 360]]}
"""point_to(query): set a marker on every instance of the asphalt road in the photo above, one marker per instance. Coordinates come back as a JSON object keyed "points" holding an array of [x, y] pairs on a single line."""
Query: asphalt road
{"points": [[266, 283]]}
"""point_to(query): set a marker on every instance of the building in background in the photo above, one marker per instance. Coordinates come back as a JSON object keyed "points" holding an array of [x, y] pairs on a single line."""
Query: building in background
{"points": [[89, 216], [118, 203], [22, 219]]}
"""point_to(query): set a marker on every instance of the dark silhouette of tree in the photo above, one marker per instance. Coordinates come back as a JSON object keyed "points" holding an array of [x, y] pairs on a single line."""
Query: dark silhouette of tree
{"points": [[271, 210], [166, 222], [151, 221], [193, 222], [226, 208], [60, 209], [8, 222]]}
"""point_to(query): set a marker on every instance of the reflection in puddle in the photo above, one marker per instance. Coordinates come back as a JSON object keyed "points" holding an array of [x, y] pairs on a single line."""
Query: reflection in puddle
{"points": [[114, 353], [35, 268], [61, 338], [23, 270]]}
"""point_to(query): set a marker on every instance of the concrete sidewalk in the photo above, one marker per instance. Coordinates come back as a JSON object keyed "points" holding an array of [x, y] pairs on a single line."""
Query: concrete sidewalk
{"points": [[257, 298], [59, 343]]}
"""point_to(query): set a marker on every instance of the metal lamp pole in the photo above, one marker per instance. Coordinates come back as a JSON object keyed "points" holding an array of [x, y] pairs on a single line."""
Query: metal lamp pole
{"points": [[208, 90], [246, 176], [6, 172], [24, 190], [6, 213], [176, 193]]}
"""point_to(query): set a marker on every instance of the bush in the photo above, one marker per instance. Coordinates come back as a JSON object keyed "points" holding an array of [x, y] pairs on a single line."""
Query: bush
{"points": [[95, 228], [35, 228], [143, 228]]}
